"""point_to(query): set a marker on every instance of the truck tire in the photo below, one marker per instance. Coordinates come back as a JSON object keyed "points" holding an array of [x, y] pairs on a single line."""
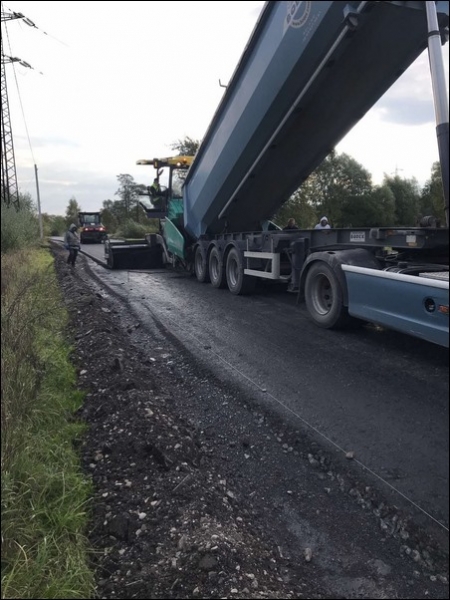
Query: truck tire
{"points": [[324, 297], [238, 283], [201, 266], [216, 269]]}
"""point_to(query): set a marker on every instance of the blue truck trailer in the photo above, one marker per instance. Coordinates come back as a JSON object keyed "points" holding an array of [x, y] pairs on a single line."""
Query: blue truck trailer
{"points": [[308, 74]]}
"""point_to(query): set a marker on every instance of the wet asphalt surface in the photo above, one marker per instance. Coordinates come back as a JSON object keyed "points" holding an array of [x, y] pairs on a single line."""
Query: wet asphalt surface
{"points": [[378, 394]]}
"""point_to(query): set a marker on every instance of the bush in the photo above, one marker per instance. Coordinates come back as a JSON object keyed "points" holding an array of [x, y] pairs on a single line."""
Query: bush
{"points": [[132, 230], [19, 228], [54, 225]]}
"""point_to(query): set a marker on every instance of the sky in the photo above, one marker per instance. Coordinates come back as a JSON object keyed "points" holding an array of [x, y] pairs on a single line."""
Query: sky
{"points": [[114, 82]]}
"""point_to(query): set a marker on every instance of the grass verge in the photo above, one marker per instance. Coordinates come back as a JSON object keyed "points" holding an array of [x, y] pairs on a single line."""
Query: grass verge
{"points": [[44, 494]]}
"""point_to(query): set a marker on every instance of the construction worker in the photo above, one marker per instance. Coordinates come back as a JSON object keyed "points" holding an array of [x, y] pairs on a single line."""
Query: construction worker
{"points": [[157, 194], [291, 224], [72, 244], [323, 224]]}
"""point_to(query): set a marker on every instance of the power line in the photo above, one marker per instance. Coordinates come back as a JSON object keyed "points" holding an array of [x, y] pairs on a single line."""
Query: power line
{"points": [[29, 22]]}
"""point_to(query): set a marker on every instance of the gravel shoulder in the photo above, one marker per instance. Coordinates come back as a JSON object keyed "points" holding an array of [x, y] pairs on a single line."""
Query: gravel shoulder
{"points": [[201, 493]]}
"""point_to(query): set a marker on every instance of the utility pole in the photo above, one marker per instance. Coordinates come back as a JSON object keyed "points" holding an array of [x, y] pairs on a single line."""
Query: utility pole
{"points": [[41, 229]]}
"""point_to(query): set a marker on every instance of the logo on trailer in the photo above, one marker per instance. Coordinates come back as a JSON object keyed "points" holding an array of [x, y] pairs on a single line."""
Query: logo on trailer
{"points": [[297, 14], [357, 237]]}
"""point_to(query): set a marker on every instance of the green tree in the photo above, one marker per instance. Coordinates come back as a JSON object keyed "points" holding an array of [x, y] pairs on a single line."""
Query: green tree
{"points": [[186, 146], [109, 220], [53, 224], [375, 209], [299, 208], [337, 179], [72, 211], [128, 196], [384, 200], [115, 208], [407, 199], [108, 204], [432, 198]]}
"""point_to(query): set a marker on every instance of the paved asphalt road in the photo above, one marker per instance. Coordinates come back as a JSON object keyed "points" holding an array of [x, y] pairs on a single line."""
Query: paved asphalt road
{"points": [[377, 393]]}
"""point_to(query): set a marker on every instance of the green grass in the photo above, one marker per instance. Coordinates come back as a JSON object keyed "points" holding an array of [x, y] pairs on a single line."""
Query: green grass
{"points": [[44, 494]]}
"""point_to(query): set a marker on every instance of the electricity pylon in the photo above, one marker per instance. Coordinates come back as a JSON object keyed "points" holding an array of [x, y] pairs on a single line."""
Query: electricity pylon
{"points": [[9, 190]]}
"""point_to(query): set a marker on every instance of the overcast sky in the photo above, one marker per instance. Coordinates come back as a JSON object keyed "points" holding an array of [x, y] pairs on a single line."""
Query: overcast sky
{"points": [[114, 82]]}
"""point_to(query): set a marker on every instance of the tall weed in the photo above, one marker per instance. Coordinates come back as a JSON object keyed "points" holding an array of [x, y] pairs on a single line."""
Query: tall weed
{"points": [[19, 228], [44, 495]]}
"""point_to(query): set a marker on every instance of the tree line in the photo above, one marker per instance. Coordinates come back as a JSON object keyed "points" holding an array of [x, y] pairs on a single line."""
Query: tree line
{"points": [[340, 188]]}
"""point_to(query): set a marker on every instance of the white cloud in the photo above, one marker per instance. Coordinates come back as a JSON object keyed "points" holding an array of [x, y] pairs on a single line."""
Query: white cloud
{"points": [[398, 135], [123, 82], [410, 101]]}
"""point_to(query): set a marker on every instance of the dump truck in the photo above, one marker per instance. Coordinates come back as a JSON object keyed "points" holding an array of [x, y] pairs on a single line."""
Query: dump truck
{"points": [[308, 74]]}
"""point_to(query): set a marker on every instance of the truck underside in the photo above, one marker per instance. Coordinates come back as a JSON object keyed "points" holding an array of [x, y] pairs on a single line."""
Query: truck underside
{"points": [[397, 278]]}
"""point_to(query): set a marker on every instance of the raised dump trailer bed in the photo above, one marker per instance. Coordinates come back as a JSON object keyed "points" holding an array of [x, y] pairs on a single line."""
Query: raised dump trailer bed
{"points": [[309, 73]]}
